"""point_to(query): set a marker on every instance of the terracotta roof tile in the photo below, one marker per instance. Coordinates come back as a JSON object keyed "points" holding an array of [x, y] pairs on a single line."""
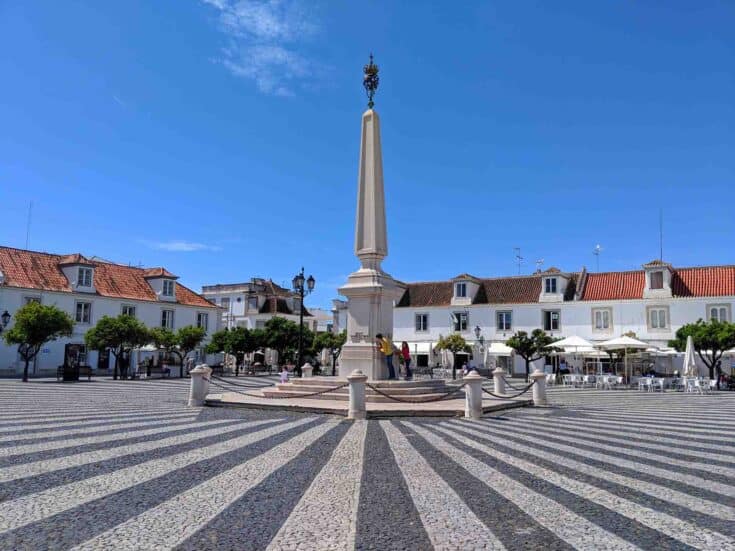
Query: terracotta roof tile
{"points": [[42, 271], [614, 285], [75, 258], [711, 281], [158, 272]]}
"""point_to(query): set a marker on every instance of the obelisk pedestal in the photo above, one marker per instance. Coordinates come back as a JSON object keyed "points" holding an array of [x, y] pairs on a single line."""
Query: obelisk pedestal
{"points": [[370, 291]]}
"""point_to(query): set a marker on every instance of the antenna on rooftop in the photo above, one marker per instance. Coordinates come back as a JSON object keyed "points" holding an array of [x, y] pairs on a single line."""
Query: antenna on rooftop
{"points": [[539, 263], [28, 225], [661, 234], [519, 258], [596, 252]]}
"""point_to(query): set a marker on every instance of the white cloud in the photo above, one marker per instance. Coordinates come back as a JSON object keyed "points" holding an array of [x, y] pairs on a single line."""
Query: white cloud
{"points": [[263, 36], [181, 246]]}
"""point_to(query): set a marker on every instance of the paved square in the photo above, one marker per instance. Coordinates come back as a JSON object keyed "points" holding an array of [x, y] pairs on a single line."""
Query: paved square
{"points": [[125, 465]]}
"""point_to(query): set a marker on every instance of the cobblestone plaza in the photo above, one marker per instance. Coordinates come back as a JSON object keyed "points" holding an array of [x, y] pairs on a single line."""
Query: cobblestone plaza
{"points": [[126, 465]]}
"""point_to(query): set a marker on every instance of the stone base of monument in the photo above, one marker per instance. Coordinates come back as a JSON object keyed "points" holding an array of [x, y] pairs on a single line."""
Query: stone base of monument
{"points": [[299, 395]]}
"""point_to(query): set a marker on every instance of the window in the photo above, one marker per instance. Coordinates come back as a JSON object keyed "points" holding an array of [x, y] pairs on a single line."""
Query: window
{"points": [[658, 318], [168, 288], [460, 290], [167, 319], [203, 320], [213, 300], [422, 322], [657, 280], [719, 312], [550, 285], [552, 320], [505, 320], [27, 300], [252, 303], [128, 310], [226, 302], [83, 312], [84, 277], [460, 321], [601, 319]]}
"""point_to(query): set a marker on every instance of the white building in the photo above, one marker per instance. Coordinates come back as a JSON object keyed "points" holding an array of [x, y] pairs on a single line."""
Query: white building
{"points": [[252, 304], [339, 315], [87, 290], [652, 303]]}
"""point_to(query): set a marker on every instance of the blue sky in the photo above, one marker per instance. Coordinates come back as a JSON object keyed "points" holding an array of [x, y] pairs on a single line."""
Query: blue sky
{"points": [[220, 138]]}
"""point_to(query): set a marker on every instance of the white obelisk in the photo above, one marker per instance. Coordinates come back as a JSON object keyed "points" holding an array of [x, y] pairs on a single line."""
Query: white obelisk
{"points": [[370, 291]]}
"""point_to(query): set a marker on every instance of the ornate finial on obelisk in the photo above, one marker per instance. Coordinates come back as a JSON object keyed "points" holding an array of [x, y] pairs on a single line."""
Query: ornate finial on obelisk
{"points": [[370, 80]]}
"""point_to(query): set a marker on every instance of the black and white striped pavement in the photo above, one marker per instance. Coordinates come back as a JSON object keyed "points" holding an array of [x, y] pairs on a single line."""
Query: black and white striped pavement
{"points": [[125, 465]]}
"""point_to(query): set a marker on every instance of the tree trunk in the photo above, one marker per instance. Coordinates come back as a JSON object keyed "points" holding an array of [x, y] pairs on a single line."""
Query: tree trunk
{"points": [[334, 365], [115, 369], [454, 366], [528, 368], [25, 370]]}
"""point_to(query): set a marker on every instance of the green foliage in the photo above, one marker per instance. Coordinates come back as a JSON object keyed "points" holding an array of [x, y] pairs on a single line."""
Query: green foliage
{"points": [[121, 334], [34, 325], [454, 343], [163, 338], [189, 337], [332, 342], [711, 340], [219, 342], [531, 347], [282, 335]]}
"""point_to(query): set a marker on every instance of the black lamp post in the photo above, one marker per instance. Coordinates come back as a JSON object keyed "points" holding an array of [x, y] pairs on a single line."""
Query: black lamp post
{"points": [[301, 289], [4, 320]]}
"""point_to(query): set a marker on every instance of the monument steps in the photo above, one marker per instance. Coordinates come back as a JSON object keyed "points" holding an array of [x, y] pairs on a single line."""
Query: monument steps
{"points": [[405, 390]]}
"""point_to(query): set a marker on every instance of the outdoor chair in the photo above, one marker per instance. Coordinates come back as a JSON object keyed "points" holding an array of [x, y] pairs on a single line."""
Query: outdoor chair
{"points": [[550, 379], [700, 386], [657, 384], [644, 384]]}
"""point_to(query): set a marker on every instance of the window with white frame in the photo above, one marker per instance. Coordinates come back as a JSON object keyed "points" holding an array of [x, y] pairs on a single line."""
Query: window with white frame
{"points": [[718, 312], [460, 320], [128, 310], [84, 277], [550, 285], [168, 288], [252, 303], [203, 320], [658, 317], [225, 302], [551, 320], [657, 280], [27, 300], [422, 322], [460, 290], [167, 319], [602, 319], [83, 312], [504, 320]]}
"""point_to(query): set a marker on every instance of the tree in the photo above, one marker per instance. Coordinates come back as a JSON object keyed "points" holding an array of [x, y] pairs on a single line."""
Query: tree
{"points": [[220, 342], [282, 335], [332, 342], [36, 324], [187, 339], [530, 347], [455, 343], [121, 335], [711, 340], [238, 342], [164, 339]]}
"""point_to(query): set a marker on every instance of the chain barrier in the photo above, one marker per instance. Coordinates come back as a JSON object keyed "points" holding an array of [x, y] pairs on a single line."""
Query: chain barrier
{"points": [[486, 391], [241, 385], [434, 399], [507, 382], [276, 397]]}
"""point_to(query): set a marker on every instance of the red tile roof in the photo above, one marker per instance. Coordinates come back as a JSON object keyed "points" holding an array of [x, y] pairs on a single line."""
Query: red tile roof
{"points": [[158, 272], [75, 258], [42, 271], [614, 286]]}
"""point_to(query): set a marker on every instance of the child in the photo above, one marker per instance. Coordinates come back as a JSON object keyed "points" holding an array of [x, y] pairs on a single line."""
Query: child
{"points": [[284, 374]]}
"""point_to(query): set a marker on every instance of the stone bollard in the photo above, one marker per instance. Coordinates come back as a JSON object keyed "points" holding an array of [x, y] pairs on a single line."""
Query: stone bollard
{"points": [[357, 408], [539, 389], [199, 387], [306, 370], [499, 380], [473, 395]]}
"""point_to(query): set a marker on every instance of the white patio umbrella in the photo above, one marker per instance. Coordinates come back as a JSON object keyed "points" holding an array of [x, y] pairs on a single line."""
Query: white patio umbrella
{"points": [[573, 342], [690, 365], [623, 343]]}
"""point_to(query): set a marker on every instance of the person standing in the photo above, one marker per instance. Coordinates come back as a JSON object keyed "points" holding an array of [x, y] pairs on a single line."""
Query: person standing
{"points": [[406, 353], [386, 348]]}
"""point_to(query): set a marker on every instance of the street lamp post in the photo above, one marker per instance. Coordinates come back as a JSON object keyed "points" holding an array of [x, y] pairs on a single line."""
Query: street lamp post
{"points": [[301, 289], [4, 320]]}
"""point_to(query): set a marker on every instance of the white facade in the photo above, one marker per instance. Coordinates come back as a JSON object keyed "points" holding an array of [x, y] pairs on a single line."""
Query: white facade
{"points": [[52, 354], [654, 319]]}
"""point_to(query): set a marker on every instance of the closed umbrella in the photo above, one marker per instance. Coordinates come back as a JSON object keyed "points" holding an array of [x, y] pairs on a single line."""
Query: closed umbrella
{"points": [[690, 365]]}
